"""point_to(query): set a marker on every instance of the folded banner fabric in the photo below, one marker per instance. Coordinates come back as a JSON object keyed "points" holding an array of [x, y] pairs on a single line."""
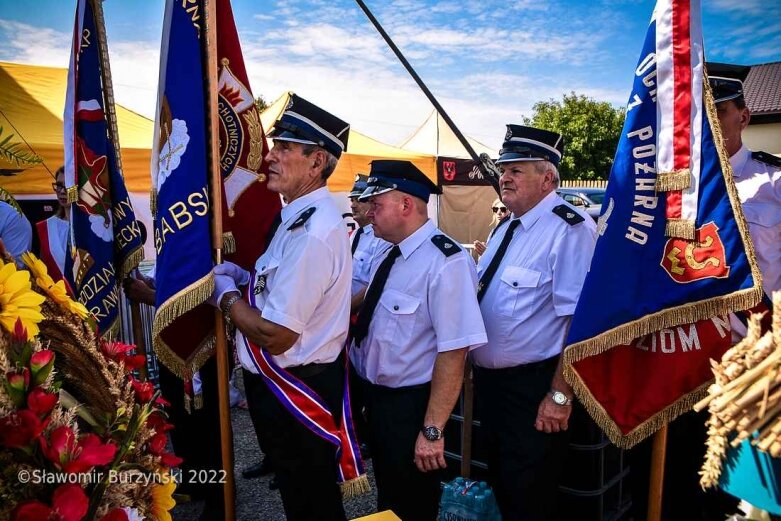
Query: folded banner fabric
{"points": [[105, 237], [673, 255]]}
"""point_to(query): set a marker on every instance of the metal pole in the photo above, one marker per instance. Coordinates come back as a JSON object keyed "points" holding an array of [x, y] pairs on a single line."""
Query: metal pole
{"points": [[221, 351], [483, 161]]}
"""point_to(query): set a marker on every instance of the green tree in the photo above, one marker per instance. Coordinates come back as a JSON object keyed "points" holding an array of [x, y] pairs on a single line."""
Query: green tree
{"points": [[590, 128], [261, 103]]}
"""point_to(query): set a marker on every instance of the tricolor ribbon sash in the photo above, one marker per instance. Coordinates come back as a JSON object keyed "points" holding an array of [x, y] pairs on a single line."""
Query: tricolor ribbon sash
{"points": [[312, 412]]}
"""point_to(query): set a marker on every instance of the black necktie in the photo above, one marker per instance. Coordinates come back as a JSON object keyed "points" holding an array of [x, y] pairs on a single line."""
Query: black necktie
{"points": [[272, 229], [361, 328], [490, 271], [357, 238]]}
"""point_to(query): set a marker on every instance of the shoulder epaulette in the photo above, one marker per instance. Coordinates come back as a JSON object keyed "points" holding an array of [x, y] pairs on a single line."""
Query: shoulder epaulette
{"points": [[303, 218], [445, 245], [501, 222], [768, 159], [569, 215]]}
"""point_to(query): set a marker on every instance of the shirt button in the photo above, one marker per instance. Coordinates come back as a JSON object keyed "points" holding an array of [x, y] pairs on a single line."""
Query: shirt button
{"points": [[515, 284], [395, 308]]}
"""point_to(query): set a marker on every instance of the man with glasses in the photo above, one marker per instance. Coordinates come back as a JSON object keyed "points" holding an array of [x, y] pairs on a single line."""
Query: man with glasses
{"points": [[530, 280], [53, 232]]}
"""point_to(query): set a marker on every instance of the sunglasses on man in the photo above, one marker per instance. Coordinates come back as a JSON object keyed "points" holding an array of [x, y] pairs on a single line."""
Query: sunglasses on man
{"points": [[497, 209]]}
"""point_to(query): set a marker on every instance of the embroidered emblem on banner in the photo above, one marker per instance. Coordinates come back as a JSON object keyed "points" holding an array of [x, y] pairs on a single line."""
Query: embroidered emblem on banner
{"points": [[687, 261], [449, 170]]}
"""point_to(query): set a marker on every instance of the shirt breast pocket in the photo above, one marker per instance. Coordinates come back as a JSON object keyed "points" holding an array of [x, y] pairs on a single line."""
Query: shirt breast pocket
{"points": [[399, 314], [762, 214], [515, 292], [266, 270]]}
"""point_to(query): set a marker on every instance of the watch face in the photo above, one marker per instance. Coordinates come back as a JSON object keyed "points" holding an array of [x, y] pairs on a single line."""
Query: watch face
{"points": [[431, 433], [560, 398]]}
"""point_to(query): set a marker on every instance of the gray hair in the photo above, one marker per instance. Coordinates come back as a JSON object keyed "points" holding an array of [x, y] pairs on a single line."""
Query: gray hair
{"points": [[541, 167], [330, 159]]}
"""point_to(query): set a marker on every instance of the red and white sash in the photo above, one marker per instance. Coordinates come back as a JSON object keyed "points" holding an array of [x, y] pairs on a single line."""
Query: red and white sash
{"points": [[312, 412]]}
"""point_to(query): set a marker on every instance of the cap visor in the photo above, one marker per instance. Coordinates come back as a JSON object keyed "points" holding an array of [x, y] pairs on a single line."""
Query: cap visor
{"points": [[514, 158], [372, 191]]}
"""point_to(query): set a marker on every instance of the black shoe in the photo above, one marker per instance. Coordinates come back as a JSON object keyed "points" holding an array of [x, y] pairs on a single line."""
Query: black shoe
{"points": [[257, 470], [273, 484]]}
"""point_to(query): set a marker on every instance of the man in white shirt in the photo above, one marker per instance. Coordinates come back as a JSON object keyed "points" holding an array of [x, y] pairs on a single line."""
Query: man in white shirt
{"points": [[418, 319], [296, 315], [531, 275]]}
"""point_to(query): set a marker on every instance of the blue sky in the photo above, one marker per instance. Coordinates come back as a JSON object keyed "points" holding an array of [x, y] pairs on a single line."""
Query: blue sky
{"points": [[487, 61]]}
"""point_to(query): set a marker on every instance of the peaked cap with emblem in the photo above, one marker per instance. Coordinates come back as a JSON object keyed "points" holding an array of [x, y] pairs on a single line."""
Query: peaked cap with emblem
{"points": [[725, 89], [306, 123], [387, 175], [359, 186], [531, 144]]}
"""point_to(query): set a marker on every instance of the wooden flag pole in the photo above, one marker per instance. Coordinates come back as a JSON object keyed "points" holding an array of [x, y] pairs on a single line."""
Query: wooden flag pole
{"points": [[221, 350], [466, 427], [656, 484]]}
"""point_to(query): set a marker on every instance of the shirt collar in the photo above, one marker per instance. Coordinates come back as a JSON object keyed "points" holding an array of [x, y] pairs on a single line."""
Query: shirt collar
{"points": [[292, 210], [368, 228], [738, 161], [418, 237], [532, 216]]}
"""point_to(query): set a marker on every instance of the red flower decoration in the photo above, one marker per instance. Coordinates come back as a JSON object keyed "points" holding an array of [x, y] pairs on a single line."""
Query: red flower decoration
{"points": [[69, 503], [156, 445], [20, 429], [158, 422], [144, 390], [41, 402], [116, 514], [19, 336], [120, 352], [41, 365], [71, 455]]}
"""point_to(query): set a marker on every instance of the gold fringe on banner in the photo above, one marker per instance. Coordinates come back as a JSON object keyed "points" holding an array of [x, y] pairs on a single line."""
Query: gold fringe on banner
{"points": [[176, 306], [355, 487], [680, 228], [685, 314], [153, 201], [228, 243], [674, 181], [642, 431], [73, 194], [131, 262]]}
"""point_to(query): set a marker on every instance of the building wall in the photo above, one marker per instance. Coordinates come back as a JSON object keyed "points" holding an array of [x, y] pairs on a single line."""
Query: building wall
{"points": [[765, 137]]}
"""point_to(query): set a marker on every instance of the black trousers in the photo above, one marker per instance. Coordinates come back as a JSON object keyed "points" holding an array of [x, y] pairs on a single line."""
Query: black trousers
{"points": [[191, 429], [305, 465], [395, 418], [524, 464], [251, 381], [682, 497]]}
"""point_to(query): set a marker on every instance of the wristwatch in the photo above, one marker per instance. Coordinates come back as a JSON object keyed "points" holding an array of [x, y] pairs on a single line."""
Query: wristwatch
{"points": [[227, 304], [431, 433], [559, 398]]}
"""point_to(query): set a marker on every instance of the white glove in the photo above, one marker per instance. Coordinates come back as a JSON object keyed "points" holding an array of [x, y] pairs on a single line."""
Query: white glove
{"points": [[239, 275], [222, 284]]}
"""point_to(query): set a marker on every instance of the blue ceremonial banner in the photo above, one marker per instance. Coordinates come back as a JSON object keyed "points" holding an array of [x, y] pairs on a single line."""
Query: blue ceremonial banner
{"points": [[105, 241], [180, 195], [673, 253]]}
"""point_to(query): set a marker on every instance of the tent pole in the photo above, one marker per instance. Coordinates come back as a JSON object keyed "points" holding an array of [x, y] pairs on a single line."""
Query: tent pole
{"points": [[483, 162]]}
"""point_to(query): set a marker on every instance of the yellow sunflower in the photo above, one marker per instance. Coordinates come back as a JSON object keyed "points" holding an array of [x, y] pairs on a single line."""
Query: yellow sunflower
{"points": [[55, 290], [18, 300], [162, 501]]}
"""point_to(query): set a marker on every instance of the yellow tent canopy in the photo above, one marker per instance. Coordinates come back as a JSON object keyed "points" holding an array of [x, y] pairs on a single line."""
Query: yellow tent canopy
{"points": [[32, 101], [435, 137], [361, 150]]}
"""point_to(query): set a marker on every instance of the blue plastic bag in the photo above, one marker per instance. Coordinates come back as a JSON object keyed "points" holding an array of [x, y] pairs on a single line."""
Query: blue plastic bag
{"points": [[466, 500]]}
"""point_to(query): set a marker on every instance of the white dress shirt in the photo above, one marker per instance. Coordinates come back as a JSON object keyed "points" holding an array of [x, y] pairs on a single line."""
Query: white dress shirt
{"points": [[306, 274], [369, 246], [428, 306], [528, 304], [759, 190]]}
